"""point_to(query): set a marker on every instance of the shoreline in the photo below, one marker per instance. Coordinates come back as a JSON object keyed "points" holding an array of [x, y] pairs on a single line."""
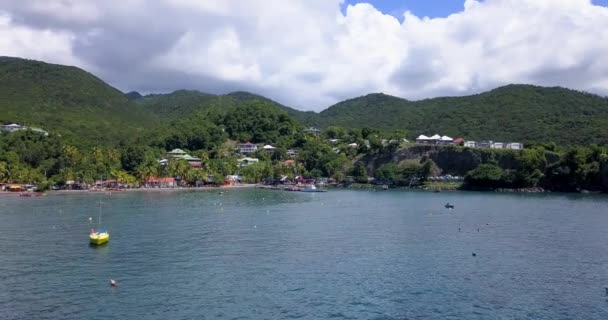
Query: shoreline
{"points": [[48, 192]]}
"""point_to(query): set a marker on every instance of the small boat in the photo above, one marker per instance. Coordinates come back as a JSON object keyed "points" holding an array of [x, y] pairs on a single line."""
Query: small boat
{"points": [[99, 236], [113, 283], [449, 206], [311, 188]]}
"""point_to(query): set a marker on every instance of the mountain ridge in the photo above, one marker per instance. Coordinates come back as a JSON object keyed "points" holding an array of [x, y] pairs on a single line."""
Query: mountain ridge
{"points": [[72, 101]]}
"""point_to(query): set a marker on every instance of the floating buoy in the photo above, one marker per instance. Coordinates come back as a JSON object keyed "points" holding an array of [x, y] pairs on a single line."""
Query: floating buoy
{"points": [[90, 219], [113, 283], [474, 254]]}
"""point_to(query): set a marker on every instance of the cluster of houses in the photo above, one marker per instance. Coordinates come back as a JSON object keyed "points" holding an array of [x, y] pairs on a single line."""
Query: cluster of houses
{"points": [[445, 140], [16, 127]]}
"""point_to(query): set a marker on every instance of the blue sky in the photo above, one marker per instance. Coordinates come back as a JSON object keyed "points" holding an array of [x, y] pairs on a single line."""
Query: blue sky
{"points": [[431, 8]]}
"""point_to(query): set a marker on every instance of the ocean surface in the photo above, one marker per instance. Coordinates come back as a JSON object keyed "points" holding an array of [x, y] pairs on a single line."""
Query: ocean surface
{"points": [[344, 254]]}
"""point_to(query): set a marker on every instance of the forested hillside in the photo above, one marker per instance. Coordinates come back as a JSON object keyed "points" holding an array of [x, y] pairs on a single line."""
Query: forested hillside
{"points": [[511, 113], [67, 101]]}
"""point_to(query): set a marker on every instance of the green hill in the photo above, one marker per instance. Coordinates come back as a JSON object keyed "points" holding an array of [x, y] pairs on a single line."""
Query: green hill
{"points": [[68, 101], [511, 113], [181, 103]]}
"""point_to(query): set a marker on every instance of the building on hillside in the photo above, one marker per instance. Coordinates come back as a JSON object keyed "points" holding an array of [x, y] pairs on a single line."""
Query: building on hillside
{"points": [[485, 144], [353, 145], [247, 147], [435, 139], [176, 154], [312, 130], [515, 146], [292, 153], [497, 145], [422, 139], [445, 140], [470, 144], [334, 141], [268, 148], [458, 141], [247, 161], [179, 154], [11, 127]]}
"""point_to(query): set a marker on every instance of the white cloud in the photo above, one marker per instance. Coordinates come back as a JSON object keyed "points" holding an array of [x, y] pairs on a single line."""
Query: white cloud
{"points": [[307, 54]]}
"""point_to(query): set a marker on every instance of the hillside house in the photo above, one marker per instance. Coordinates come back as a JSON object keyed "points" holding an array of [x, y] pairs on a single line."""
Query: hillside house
{"points": [[312, 130], [422, 139], [268, 148], [458, 141], [485, 144], [515, 146], [470, 144], [247, 147], [497, 145], [445, 140], [179, 154], [11, 127], [292, 153]]}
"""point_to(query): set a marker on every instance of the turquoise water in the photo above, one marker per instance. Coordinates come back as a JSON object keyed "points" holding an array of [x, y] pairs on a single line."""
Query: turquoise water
{"points": [[260, 254]]}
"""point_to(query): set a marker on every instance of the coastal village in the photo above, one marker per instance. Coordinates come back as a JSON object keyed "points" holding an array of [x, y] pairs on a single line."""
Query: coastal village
{"points": [[245, 153]]}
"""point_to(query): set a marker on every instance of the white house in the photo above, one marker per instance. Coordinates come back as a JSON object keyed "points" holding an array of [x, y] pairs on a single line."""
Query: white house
{"points": [[312, 130], [485, 144], [422, 139], [435, 139], [515, 146], [333, 140], [470, 144], [445, 140], [497, 145], [248, 147], [269, 148], [292, 152], [11, 127], [353, 145]]}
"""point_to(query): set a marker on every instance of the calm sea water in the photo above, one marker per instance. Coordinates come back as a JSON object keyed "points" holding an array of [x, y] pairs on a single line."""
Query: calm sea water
{"points": [[259, 254]]}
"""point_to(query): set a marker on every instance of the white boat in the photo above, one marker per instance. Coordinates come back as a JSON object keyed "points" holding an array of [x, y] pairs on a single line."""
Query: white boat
{"points": [[311, 188]]}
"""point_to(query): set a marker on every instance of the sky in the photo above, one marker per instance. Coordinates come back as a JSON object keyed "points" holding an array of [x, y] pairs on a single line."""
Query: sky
{"points": [[310, 54]]}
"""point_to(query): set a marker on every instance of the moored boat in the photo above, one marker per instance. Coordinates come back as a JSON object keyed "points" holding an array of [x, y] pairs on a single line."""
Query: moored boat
{"points": [[99, 237], [311, 188]]}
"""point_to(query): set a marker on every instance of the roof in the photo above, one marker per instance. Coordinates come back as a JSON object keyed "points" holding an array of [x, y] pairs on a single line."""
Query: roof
{"points": [[290, 161], [11, 125], [177, 151], [458, 140], [196, 164], [446, 138], [422, 137], [247, 144], [435, 137], [269, 147], [190, 158], [249, 159]]}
